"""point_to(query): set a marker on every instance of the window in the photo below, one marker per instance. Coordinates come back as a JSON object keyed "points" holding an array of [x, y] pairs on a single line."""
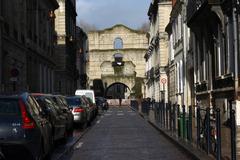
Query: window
{"points": [[118, 43]]}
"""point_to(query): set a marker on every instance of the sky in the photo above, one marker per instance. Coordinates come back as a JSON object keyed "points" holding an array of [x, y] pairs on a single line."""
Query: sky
{"points": [[106, 13]]}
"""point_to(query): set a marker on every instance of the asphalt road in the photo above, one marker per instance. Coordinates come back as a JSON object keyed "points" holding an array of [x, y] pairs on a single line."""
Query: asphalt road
{"points": [[121, 134]]}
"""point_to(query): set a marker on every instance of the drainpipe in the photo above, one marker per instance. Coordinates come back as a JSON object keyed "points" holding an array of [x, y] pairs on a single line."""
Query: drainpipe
{"points": [[235, 42]]}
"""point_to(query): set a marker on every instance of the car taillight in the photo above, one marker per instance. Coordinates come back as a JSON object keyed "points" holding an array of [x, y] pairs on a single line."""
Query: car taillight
{"points": [[27, 122], [78, 110]]}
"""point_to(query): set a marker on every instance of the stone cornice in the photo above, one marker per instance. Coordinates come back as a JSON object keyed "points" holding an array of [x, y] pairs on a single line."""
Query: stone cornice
{"points": [[126, 49], [119, 25]]}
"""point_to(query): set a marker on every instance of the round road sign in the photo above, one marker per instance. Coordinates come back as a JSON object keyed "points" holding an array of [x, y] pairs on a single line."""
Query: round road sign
{"points": [[163, 80]]}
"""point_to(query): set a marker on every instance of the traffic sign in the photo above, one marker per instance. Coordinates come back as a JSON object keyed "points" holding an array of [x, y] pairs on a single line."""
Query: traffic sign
{"points": [[163, 80]]}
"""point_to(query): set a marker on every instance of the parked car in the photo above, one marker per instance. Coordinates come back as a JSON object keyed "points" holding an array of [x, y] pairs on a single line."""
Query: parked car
{"points": [[93, 105], [79, 109], [67, 113], [102, 103], [2, 157], [25, 131], [54, 115], [87, 93], [90, 107]]}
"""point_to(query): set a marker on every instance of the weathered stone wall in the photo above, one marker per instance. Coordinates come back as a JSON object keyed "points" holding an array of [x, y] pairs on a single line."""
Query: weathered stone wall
{"points": [[101, 55]]}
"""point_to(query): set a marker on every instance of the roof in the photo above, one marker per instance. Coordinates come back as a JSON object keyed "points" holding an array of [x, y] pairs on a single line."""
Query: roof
{"points": [[119, 25]]}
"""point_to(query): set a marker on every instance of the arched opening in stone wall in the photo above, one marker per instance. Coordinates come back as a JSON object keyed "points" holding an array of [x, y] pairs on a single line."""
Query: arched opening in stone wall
{"points": [[118, 90]]}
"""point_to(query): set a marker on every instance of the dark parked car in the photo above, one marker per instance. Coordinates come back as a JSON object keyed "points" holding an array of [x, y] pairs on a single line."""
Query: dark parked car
{"points": [[25, 131], [91, 108], [67, 113], [54, 115], [79, 109], [93, 105], [2, 157]]}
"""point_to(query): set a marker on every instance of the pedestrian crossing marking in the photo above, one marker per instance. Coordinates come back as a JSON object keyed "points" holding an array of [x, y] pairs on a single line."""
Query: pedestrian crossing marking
{"points": [[120, 114], [79, 145], [133, 114]]}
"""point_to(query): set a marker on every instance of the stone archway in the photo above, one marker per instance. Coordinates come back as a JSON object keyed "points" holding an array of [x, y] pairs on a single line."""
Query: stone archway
{"points": [[118, 90]]}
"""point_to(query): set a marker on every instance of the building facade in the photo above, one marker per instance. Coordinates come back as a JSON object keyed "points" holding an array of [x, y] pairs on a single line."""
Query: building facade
{"points": [[66, 74], [116, 57], [157, 55], [82, 57], [27, 45], [180, 69]]}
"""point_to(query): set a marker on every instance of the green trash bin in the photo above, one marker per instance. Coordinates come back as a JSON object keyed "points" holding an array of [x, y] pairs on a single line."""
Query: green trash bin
{"points": [[182, 126]]}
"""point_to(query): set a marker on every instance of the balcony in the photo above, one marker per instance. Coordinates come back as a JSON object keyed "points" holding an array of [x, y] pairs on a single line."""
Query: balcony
{"points": [[227, 81], [201, 87], [193, 7]]}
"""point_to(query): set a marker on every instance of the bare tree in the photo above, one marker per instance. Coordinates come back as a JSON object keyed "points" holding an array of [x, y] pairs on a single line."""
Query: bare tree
{"points": [[144, 27], [86, 26]]}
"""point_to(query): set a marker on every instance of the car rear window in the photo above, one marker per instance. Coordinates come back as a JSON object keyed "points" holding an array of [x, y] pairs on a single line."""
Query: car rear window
{"points": [[74, 101], [89, 94], [9, 106]]}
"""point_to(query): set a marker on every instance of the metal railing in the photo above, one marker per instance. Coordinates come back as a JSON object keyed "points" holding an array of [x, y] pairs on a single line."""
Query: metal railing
{"points": [[181, 120]]}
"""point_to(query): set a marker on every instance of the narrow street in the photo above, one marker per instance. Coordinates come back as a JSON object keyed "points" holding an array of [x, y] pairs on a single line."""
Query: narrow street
{"points": [[121, 134]]}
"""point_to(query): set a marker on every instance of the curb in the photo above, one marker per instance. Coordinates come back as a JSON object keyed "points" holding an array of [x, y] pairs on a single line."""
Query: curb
{"points": [[184, 146]]}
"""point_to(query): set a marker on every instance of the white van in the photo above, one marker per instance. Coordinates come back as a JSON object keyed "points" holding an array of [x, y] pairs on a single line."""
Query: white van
{"points": [[87, 93]]}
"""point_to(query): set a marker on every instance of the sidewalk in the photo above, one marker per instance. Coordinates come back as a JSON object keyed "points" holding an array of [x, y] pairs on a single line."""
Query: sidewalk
{"points": [[191, 147]]}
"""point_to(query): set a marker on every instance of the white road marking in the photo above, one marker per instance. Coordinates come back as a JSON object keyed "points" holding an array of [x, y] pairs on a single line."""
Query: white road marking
{"points": [[130, 111], [109, 111], [120, 114], [79, 145], [120, 111], [98, 121], [132, 114]]}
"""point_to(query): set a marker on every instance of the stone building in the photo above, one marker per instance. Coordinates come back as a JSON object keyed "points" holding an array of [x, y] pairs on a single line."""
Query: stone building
{"points": [[180, 69], [215, 56], [116, 56], [157, 54], [27, 45], [65, 24], [81, 57]]}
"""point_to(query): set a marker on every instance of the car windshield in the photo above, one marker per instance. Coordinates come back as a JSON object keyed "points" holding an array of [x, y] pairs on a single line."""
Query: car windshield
{"points": [[73, 101], [9, 106]]}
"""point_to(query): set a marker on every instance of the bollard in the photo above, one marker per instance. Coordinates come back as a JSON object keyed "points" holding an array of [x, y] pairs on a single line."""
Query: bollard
{"points": [[190, 124], [167, 115], [170, 116], [233, 135], [184, 121], [218, 130], [208, 129], [198, 126], [160, 106], [174, 117], [178, 119], [164, 110]]}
